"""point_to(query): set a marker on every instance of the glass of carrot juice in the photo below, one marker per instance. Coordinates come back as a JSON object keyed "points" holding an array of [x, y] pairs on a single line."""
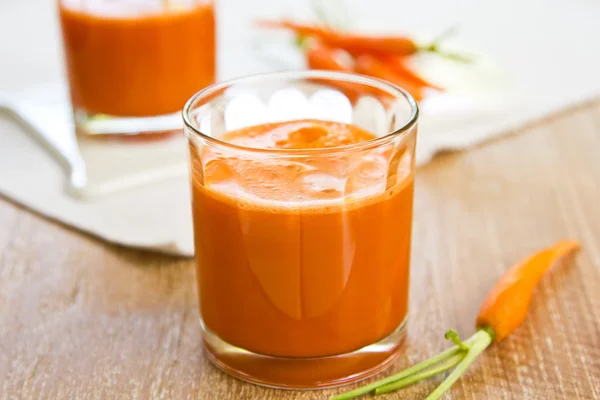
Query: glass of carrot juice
{"points": [[133, 64], [302, 194]]}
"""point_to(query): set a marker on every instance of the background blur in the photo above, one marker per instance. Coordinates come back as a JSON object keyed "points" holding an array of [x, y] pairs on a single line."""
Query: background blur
{"points": [[513, 31]]}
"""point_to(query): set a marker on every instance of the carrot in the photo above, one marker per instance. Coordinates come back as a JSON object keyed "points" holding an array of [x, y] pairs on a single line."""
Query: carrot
{"points": [[368, 64], [320, 56], [355, 43], [503, 311], [375, 44], [505, 308], [397, 64], [305, 30], [350, 42]]}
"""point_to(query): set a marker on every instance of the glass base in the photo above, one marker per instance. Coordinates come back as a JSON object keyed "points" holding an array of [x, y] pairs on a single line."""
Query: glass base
{"points": [[155, 126], [117, 153], [304, 373]]}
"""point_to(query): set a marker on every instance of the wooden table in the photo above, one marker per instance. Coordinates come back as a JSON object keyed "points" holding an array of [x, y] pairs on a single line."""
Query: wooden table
{"points": [[82, 319]]}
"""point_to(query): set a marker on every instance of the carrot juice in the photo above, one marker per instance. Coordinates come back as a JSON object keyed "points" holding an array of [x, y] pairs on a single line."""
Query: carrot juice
{"points": [[129, 58], [302, 235]]}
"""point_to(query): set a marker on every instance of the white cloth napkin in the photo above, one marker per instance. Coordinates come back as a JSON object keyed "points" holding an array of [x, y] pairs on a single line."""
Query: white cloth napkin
{"points": [[545, 61]]}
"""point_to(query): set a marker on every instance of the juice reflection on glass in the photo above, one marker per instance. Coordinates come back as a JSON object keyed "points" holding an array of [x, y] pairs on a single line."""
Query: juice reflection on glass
{"points": [[302, 204], [136, 58]]}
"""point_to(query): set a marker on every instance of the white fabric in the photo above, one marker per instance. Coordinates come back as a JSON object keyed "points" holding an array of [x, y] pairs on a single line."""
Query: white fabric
{"points": [[546, 57]]}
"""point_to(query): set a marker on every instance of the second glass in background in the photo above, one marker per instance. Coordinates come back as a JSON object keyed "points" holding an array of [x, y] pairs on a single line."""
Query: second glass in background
{"points": [[132, 65]]}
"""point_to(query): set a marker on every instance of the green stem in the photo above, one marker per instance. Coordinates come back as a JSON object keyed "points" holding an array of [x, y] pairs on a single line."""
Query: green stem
{"points": [[450, 56], [419, 376], [301, 42], [434, 47], [452, 31], [402, 374], [453, 336], [481, 340]]}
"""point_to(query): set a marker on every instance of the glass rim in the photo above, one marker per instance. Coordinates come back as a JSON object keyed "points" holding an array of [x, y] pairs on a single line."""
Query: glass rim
{"points": [[380, 84]]}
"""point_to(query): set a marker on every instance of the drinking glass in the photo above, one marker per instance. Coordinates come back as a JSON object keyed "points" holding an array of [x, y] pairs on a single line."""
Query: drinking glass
{"points": [[302, 255], [133, 64]]}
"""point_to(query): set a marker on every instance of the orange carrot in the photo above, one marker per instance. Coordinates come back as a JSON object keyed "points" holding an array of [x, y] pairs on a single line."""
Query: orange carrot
{"points": [[350, 42], [306, 30], [505, 308], [368, 64], [375, 44], [503, 311], [397, 64], [323, 57], [356, 43], [320, 56]]}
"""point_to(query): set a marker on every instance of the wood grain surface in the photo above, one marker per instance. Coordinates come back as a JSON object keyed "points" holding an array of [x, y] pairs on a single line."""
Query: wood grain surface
{"points": [[81, 319]]}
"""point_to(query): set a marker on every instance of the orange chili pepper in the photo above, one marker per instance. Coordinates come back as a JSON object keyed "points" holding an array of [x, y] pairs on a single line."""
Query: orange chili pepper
{"points": [[503, 310]]}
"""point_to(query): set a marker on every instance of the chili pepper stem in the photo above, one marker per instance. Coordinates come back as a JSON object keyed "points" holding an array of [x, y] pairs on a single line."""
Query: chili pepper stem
{"points": [[481, 340], [419, 376]]}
